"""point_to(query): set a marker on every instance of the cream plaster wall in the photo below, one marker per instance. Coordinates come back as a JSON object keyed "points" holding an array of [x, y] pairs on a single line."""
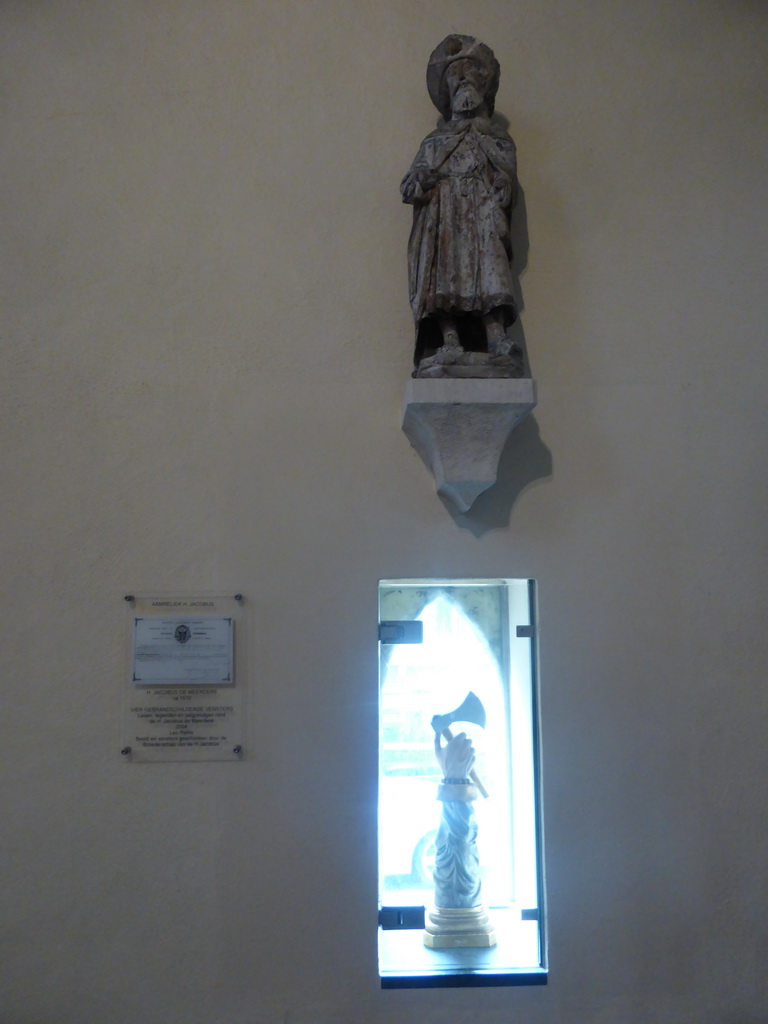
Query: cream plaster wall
{"points": [[206, 337]]}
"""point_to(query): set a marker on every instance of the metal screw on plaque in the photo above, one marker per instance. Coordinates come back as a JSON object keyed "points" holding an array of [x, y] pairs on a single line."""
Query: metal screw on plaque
{"points": [[237, 750], [129, 598], [125, 750], [238, 597]]}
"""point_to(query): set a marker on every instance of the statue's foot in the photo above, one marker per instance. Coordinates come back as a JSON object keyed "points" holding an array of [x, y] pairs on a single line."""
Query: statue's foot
{"points": [[499, 345], [449, 353], [512, 361]]}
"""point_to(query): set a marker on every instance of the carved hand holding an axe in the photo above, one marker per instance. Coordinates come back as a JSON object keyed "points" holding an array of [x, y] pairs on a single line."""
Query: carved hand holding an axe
{"points": [[457, 757]]}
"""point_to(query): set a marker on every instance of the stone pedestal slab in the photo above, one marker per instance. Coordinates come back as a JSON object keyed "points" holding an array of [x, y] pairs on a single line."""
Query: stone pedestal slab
{"points": [[459, 427]]}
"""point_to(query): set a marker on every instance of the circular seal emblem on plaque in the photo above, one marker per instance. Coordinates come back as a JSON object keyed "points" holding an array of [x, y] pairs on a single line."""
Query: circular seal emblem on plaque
{"points": [[182, 633]]}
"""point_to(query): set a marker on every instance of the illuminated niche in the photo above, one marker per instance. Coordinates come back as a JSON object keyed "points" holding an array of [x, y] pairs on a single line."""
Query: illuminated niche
{"points": [[465, 648]]}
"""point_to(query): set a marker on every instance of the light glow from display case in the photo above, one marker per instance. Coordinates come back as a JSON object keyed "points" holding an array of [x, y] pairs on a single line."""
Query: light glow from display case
{"points": [[479, 638]]}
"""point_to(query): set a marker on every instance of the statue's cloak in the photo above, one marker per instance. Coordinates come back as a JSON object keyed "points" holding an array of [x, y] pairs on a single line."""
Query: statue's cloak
{"points": [[459, 250]]}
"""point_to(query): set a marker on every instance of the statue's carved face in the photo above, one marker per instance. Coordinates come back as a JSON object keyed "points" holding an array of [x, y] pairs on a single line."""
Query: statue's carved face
{"points": [[467, 83]]}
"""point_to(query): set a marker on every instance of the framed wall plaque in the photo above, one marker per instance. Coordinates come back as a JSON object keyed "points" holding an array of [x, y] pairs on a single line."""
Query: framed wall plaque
{"points": [[183, 696]]}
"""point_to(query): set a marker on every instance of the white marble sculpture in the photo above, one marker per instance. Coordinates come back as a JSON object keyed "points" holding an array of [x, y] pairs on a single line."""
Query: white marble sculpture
{"points": [[458, 917], [463, 185]]}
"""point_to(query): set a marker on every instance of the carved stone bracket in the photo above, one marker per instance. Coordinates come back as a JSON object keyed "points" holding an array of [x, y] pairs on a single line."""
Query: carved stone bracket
{"points": [[460, 426]]}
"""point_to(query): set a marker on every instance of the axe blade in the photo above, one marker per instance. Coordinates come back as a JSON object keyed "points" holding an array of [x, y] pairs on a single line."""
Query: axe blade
{"points": [[470, 710]]}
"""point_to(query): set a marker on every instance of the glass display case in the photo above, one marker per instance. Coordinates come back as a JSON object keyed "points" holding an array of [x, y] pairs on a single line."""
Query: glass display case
{"points": [[457, 661]]}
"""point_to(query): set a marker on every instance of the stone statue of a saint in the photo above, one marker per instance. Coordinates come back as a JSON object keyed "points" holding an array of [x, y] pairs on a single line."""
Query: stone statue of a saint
{"points": [[463, 185]]}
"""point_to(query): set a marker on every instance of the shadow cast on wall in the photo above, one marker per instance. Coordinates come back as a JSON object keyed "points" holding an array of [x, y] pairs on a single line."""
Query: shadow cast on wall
{"points": [[524, 460]]}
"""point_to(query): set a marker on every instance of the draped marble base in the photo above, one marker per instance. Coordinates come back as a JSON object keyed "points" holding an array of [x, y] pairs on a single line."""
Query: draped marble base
{"points": [[455, 927], [459, 427]]}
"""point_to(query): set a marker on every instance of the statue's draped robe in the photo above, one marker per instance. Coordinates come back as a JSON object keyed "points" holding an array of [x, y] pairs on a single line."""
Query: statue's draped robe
{"points": [[457, 865], [459, 249]]}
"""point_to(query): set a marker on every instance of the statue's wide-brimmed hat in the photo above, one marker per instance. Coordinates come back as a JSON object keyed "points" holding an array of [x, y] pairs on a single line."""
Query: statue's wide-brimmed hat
{"points": [[455, 48]]}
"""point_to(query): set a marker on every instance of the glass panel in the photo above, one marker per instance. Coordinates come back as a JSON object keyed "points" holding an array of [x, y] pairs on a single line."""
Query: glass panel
{"points": [[470, 646]]}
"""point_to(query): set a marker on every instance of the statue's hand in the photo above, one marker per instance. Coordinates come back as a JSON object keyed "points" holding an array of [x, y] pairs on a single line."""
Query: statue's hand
{"points": [[502, 189], [457, 757], [418, 185]]}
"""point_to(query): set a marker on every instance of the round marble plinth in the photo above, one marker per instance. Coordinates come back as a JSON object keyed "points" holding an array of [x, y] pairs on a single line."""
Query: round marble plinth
{"points": [[456, 927]]}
